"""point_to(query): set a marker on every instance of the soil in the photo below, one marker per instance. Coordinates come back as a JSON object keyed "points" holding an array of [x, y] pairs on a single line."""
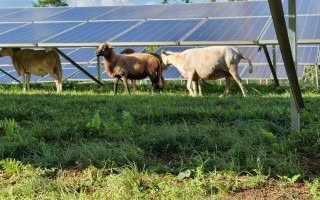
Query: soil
{"points": [[273, 190]]}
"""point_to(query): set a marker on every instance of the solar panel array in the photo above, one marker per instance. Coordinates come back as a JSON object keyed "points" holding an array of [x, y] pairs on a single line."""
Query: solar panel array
{"points": [[70, 28], [176, 24]]}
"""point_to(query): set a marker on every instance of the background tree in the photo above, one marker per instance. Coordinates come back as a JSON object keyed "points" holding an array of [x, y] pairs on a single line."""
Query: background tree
{"points": [[50, 3]]}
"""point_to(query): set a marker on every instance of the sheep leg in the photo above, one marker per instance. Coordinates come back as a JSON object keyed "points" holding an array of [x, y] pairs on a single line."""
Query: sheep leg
{"points": [[189, 87], [196, 85], [199, 87], [115, 85], [28, 75], [228, 85], [162, 81], [235, 75], [134, 85], [125, 82], [24, 81], [58, 85]]}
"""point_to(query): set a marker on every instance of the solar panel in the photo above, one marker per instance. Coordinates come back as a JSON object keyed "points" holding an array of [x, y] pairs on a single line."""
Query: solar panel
{"points": [[6, 79], [306, 55], [171, 73], [243, 9], [307, 31], [161, 32], [5, 61], [133, 12], [5, 27], [259, 72], [89, 34], [304, 7], [195, 10], [8, 11], [10, 70], [80, 14], [309, 7], [105, 76], [82, 55], [32, 14], [282, 74], [173, 48], [256, 57], [225, 31], [263, 72], [81, 76], [31, 34]]}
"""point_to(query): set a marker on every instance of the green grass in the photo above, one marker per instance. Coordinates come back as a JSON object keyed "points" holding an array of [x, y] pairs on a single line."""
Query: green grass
{"points": [[88, 143]]}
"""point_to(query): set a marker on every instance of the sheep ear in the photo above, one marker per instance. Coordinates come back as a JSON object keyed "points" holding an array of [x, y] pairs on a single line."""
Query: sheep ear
{"points": [[163, 52]]}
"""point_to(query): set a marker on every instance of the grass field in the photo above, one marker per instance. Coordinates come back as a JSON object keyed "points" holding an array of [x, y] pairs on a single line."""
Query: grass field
{"points": [[89, 144]]}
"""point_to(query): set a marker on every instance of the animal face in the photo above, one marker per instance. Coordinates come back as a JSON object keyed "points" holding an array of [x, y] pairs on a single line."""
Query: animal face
{"points": [[6, 52], [103, 49], [165, 59]]}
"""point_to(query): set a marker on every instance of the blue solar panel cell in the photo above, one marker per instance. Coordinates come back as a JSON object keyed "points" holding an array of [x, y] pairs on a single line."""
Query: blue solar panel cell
{"points": [[5, 27], [282, 74], [307, 30], [308, 27], [173, 48], [171, 73], [32, 14], [81, 76], [243, 9], [256, 57], [8, 11], [105, 76], [196, 10], [35, 32], [306, 55], [5, 61], [10, 70], [259, 72], [158, 31], [309, 7], [228, 30], [80, 14], [133, 12], [6, 79], [92, 32], [83, 55]]}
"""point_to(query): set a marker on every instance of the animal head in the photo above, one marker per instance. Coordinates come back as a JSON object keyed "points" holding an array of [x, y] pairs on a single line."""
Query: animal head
{"points": [[8, 51], [127, 51], [104, 50], [165, 57]]}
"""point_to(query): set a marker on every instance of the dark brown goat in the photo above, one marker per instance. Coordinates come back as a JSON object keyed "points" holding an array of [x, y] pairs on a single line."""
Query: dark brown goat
{"points": [[131, 51], [132, 66]]}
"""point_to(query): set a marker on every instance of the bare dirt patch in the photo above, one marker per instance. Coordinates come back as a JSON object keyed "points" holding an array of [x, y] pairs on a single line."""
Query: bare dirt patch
{"points": [[273, 189]]}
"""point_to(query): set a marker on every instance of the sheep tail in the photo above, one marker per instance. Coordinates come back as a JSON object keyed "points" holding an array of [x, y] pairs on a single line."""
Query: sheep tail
{"points": [[249, 61]]}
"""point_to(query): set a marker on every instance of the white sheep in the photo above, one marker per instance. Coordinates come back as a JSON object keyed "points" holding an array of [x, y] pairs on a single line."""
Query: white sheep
{"points": [[206, 63]]}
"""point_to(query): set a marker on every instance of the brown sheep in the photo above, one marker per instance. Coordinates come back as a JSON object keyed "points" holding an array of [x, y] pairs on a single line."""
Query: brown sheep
{"points": [[130, 66], [37, 62], [131, 51]]}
